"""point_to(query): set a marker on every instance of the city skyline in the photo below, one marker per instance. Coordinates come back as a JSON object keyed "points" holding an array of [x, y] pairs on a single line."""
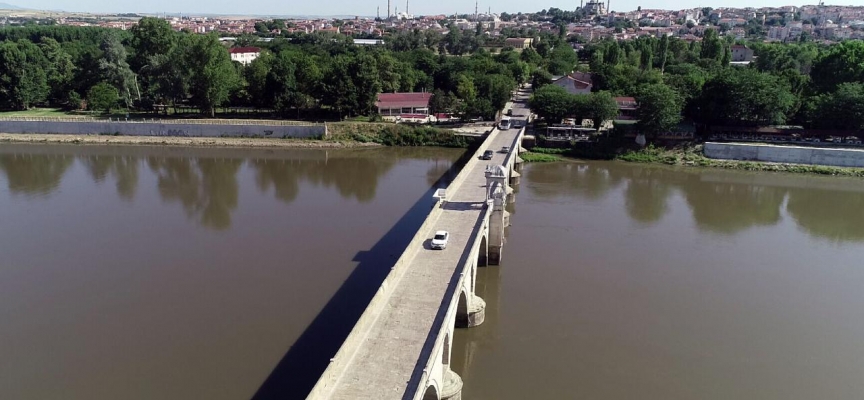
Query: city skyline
{"points": [[367, 7]]}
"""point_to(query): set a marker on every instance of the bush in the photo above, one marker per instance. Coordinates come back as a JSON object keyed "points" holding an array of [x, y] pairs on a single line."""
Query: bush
{"points": [[102, 97]]}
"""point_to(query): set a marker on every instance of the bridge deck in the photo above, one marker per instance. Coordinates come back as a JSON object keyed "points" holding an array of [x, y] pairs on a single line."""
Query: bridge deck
{"points": [[385, 362]]}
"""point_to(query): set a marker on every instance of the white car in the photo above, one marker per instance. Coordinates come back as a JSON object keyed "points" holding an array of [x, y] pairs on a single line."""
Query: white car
{"points": [[439, 242]]}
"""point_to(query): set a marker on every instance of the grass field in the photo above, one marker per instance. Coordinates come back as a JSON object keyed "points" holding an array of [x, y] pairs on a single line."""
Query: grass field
{"points": [[37, 112]]}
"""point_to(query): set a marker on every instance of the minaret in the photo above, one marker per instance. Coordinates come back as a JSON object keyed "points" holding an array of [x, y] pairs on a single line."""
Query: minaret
{"points": [[406, 8], [388, 9]]}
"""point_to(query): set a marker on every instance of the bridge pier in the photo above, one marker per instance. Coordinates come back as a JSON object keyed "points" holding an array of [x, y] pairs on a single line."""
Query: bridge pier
{"points": [[514, 177], [518, 163], [452, 388], [474, 315]]}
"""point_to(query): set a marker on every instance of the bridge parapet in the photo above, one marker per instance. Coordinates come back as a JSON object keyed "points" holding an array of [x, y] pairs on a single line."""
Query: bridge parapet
{"points": [[401, 346]]}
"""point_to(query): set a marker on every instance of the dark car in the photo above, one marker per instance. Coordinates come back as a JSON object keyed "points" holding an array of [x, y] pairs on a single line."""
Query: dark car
{"points": [[487, 155]]}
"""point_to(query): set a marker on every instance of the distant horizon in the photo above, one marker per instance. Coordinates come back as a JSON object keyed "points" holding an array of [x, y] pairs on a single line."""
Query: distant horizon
{"points": [[361, 8]]}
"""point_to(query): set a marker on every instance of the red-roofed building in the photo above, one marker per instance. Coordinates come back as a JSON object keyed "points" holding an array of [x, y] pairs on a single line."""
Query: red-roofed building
{"points": [[396, 104], [244, 55], [575, 83]]}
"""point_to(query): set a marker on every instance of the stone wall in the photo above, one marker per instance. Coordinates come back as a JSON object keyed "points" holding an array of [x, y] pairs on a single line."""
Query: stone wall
{"points": [[786, 154], [164, 129]]}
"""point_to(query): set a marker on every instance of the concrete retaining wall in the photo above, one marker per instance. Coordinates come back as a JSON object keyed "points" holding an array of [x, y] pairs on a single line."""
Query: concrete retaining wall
{"points": [[162, 129], [786, 154]]}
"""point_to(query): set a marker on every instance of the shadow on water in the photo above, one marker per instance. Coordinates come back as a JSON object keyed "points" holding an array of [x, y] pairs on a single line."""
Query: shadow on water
{"points": [[297, 372]]}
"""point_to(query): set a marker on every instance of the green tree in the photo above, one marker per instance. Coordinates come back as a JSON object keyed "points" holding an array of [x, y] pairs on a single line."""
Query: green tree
{"points": [[115, 69], [102, 97], [842, 109], [59, 70], [601, 107], [540, 78], [552, 103], [22, 75], [712, 46], [841, 63], [664, 52], [453, 40], [364, 73], [150, 37], [211, 74], [256, 74], [281, 85], [744, 96], [659, 109]]}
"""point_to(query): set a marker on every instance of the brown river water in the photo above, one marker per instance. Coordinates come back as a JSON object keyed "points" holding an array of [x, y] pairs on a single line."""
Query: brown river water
{"points": [[174, 273]]}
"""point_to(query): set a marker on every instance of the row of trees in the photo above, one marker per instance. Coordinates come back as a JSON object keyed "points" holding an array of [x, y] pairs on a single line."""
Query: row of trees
{"points": [[804, 84], [319, 74]]}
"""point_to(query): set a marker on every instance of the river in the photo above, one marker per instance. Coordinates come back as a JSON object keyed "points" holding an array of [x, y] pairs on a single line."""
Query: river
{"points": [[177, 273], [624, 281], [194, 273]]}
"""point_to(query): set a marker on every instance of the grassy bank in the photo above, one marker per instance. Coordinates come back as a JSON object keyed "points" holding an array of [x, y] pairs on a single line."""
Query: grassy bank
{"points": [[691, 155], [542, 154], [388, 134], [177, 141]]}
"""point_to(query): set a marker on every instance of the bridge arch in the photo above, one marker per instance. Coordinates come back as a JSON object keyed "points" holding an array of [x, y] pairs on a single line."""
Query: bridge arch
{"points": [[483, 253], [445, 353], [462, 310], [431, 393]]}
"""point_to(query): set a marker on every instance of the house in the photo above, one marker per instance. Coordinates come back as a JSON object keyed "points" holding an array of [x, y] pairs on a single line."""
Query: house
{"points": [[741, 53], [627, 107], [575, 83], [244, 55], [398, 106], [518, 43]]}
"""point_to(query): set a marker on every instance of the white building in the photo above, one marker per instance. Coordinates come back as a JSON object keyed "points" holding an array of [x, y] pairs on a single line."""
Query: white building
{"points": [[244, 55]]}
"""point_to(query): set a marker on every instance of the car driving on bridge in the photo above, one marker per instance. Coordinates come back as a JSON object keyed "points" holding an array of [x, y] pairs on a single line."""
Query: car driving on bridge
{"points": [[487, 155], [439, 241]]}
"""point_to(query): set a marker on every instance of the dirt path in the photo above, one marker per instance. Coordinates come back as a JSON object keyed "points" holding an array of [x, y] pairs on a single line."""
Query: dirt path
{"points": [[177, 141]]}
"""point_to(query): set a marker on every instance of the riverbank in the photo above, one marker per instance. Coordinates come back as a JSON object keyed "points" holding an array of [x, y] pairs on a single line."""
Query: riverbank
{"points": [[342, 135], [689, 155], [180, 141]]}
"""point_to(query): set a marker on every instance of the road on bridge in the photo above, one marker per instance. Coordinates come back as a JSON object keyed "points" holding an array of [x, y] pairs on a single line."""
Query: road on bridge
{"points": [[385, 362]]}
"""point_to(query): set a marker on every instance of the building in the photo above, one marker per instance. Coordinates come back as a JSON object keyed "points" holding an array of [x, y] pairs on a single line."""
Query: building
{"points": [[626, 108], [244, 55], [518, 43], [575, 83], [741, 53], [403, 105], [595, 8]]}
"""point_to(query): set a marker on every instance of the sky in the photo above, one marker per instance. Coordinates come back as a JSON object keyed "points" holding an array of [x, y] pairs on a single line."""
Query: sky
{"points": [[368, 7]]}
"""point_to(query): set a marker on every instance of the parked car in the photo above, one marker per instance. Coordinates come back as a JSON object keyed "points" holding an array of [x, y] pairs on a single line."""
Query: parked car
{"points": [[487, 155], [439, 241]]}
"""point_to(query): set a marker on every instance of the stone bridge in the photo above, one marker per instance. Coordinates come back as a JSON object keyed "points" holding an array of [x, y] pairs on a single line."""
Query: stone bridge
{"points": [[400, 347]]}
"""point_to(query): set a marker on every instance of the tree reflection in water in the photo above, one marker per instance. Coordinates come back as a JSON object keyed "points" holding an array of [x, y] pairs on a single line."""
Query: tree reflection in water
{"points": [[124, 169], [354, 176], [727, 205], [34, 174], [206, 187], [834, 215]]}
